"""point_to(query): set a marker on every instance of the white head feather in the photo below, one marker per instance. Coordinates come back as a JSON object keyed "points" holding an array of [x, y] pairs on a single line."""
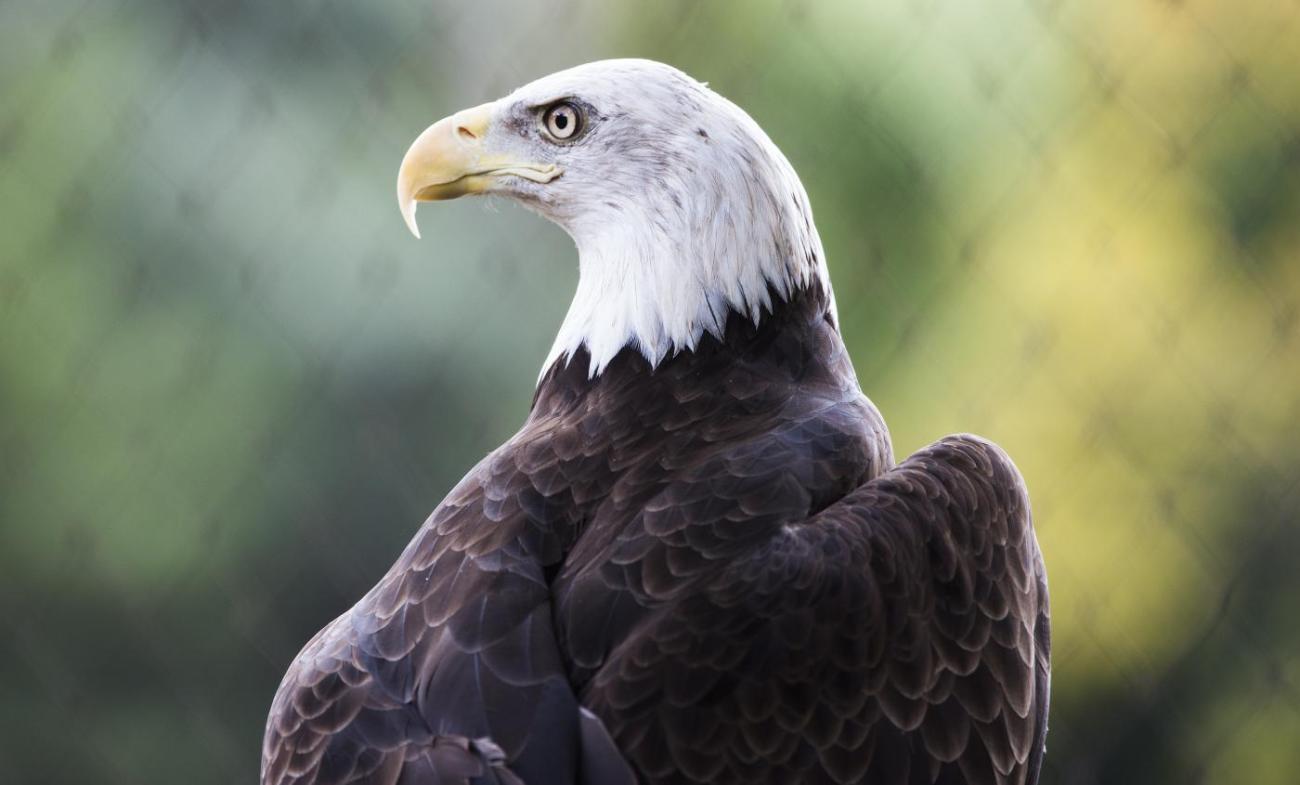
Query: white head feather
{"points": [[681, 207]]}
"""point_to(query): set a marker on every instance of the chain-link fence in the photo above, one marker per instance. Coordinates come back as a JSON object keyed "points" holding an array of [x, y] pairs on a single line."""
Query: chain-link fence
{"points": [[232, 386]]}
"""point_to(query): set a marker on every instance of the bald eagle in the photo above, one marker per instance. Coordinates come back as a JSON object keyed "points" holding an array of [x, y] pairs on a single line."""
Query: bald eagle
{"points": [[697, 561]]}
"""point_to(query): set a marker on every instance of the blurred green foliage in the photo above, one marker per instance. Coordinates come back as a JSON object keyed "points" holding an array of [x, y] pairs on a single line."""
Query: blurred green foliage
{"points": [[231, 385]]}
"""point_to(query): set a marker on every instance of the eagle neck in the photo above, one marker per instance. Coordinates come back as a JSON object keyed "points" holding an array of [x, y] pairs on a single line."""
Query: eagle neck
{"points": [[794, 341]]}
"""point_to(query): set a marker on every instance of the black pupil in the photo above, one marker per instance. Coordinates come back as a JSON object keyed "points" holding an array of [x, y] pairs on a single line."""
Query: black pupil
{"points": [[561, 120]]}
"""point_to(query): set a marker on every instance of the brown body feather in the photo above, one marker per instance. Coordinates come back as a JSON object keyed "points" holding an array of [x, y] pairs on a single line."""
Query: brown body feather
{"points": [[720, 560]]}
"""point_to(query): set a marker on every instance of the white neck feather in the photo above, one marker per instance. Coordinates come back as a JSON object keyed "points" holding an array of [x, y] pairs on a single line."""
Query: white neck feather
{"points": [[663, 262]]}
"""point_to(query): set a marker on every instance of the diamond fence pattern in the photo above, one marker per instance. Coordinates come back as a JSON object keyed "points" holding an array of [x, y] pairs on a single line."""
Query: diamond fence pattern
{"points": [[232, 387]]}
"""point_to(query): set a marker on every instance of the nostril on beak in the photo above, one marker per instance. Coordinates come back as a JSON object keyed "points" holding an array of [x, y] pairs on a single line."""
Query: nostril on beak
{"points": [[465, 134]]}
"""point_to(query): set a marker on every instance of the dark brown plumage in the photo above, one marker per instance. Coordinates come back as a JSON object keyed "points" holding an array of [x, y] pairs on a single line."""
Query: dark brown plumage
{"points": [[720, 560]]}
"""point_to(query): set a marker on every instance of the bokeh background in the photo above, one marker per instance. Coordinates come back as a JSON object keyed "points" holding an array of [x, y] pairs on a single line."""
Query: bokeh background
{"points": [[232, 385]]}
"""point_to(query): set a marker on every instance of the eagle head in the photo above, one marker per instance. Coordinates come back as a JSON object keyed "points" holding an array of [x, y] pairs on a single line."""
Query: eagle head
{"points": [[681, 207]]}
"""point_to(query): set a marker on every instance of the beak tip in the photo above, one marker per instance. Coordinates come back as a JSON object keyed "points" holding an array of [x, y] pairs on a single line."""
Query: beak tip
{"points": [[408, 215]]}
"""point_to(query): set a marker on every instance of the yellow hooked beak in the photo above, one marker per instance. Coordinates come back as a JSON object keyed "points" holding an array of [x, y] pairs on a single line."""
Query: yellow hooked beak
{"points": [[449, 160]]}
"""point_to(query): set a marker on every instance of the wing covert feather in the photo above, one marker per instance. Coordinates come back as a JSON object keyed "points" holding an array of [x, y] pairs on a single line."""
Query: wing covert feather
{"points": [[899, 635], [449, 667]]}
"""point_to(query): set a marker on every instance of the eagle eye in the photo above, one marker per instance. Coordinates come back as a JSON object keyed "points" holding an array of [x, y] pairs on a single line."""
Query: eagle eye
{"points": [[562, 121]]}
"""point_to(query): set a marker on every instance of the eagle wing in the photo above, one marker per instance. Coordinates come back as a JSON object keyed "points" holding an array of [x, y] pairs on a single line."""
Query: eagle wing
{"points": [[449, 667], [899, 635]]}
